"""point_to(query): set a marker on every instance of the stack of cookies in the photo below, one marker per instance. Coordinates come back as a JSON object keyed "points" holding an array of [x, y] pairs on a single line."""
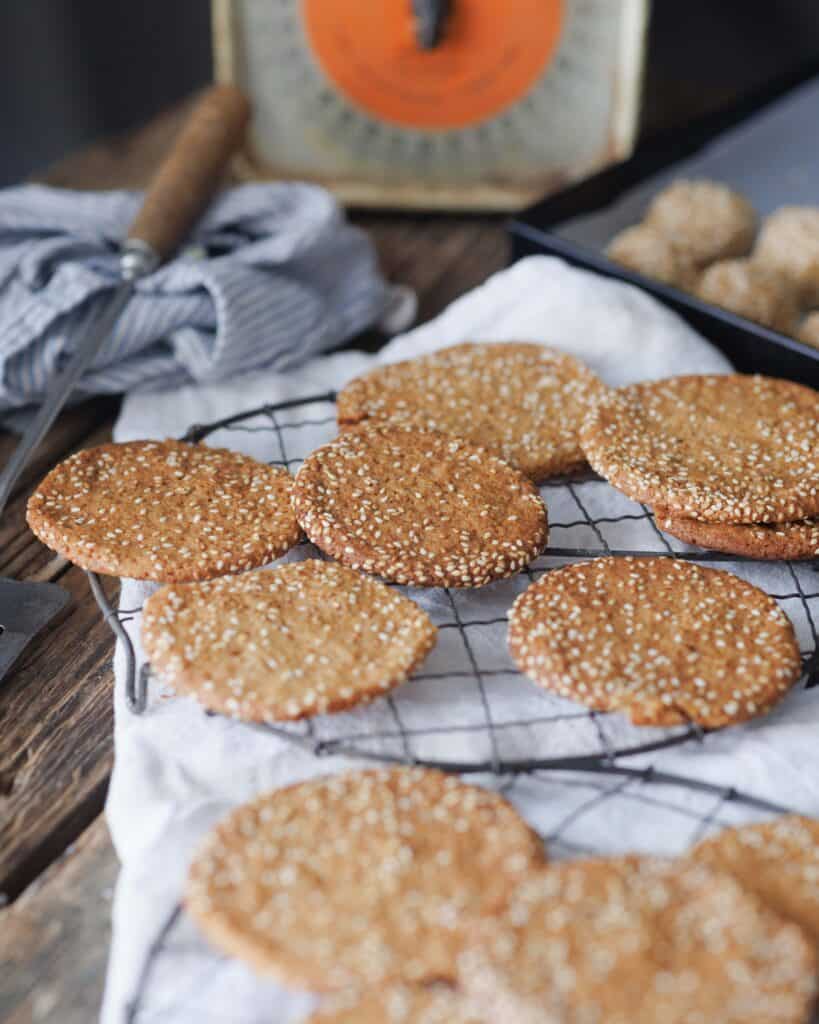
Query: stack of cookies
{"points": [[411, 898], [728, 462], [701, 236]]}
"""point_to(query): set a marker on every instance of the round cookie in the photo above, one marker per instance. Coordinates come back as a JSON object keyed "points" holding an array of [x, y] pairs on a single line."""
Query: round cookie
{"points": [[734, 448], [360, 879], [705, 220], [808, 330], [638, 941], [751, 290], [420, 508], [643, 249], [524, 402], [789, 242], [664, 640], [438, 1004], [760, 540], [279, 644], [164, 511], [778, 861]]}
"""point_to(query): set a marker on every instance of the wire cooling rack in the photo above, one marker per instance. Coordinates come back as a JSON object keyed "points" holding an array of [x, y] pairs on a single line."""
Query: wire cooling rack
{"points": [[469, 710]]}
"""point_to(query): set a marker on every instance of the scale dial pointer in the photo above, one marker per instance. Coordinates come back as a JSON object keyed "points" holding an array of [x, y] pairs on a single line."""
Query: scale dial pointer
{"points": [[430, 19]]}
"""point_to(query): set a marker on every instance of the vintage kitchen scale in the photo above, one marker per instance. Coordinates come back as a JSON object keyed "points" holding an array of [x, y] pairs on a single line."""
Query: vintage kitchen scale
{"points": [[471, 104]]}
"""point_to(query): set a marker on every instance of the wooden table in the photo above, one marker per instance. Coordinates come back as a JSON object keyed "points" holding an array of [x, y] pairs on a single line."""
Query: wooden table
{"points": [[57, 865]]}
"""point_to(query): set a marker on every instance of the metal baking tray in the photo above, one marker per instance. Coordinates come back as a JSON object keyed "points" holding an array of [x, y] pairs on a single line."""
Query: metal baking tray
{"points": [[766, 147]]}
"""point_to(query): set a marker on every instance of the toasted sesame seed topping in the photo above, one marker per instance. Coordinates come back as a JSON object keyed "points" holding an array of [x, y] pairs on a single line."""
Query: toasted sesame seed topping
{"points": [[667, 641], [164, 511], [777, 860], [337, 881], [419, 508], [525, 402], [397, 1004], [723, 449], [638, 940], [306, 638]]}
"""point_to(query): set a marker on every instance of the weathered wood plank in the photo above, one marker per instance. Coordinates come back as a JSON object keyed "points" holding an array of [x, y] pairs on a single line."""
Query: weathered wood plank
{"points": [[56, 744], [54, 939]]}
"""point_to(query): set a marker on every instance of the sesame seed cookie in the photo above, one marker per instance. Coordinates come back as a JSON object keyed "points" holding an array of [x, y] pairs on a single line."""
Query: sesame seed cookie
{"points": [[648, 252], [277, 644], [778, 861], [789, 242], [704, 219], [752, 290], [164, 511], [360, 879], [638, 941], [401, 1004], [664, 640], [420, 508], [724, 449], [760, 540], [524, 402]]}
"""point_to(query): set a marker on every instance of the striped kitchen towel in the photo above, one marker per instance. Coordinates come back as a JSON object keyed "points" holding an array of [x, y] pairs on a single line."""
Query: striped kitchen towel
{"points": [[272, 275]]}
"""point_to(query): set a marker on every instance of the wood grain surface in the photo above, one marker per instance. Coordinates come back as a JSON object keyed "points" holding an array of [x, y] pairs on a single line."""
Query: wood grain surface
{"points": [[54, 939]]}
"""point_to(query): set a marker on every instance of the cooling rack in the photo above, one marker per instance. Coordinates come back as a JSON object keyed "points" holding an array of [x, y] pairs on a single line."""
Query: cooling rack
{"points": [[469, 710]]}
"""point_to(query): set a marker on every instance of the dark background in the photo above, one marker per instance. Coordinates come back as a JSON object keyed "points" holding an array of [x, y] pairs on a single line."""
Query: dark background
{"points": [[74, 70]]}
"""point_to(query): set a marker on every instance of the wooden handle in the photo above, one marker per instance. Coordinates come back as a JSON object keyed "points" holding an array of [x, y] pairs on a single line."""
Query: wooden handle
{"points": [[188, 177]]}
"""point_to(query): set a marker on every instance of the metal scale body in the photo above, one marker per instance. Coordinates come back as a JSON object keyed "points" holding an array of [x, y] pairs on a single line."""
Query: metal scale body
{"points": [[470, 104]]}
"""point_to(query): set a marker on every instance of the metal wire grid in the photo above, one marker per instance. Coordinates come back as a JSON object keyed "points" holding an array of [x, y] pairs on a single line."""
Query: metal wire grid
{"points": [[595, 776], [472, 629]]}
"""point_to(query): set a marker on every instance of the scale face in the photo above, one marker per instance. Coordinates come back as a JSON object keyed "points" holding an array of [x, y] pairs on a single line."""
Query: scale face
{"points": [[472, 104]]}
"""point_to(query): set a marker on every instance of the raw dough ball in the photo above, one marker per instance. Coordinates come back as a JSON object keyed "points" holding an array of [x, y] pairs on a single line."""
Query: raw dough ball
{"points": [[705, 220], [809, 329], [789, 241], [643, 249], [751, 290]]}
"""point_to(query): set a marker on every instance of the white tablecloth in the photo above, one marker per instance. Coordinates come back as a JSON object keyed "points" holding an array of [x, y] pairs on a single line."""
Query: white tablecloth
{"points": [[177, 771]]}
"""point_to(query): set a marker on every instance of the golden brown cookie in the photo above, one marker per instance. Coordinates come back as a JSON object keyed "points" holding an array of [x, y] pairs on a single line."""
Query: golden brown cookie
{"points": [[638, 941], [524, 402], [704, 219], [808, 330], [664, 640], [778, 861], [759, 540], [419, 507], [752, 290], [732, 449], [648, 252], [789, 242], [276, 644], [400, 1004], [164, 511], [360, 879]]}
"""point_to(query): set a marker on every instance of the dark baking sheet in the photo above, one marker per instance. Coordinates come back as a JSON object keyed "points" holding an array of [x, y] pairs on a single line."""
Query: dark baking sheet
{"points": [[767, 147]]}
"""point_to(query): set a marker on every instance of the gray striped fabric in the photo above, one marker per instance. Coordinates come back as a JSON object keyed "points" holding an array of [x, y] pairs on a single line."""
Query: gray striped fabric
{"points": [[272, 275]]}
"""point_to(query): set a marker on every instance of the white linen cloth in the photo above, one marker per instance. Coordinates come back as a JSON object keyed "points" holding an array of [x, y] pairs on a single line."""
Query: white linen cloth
{"points": [[177, 771]]}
